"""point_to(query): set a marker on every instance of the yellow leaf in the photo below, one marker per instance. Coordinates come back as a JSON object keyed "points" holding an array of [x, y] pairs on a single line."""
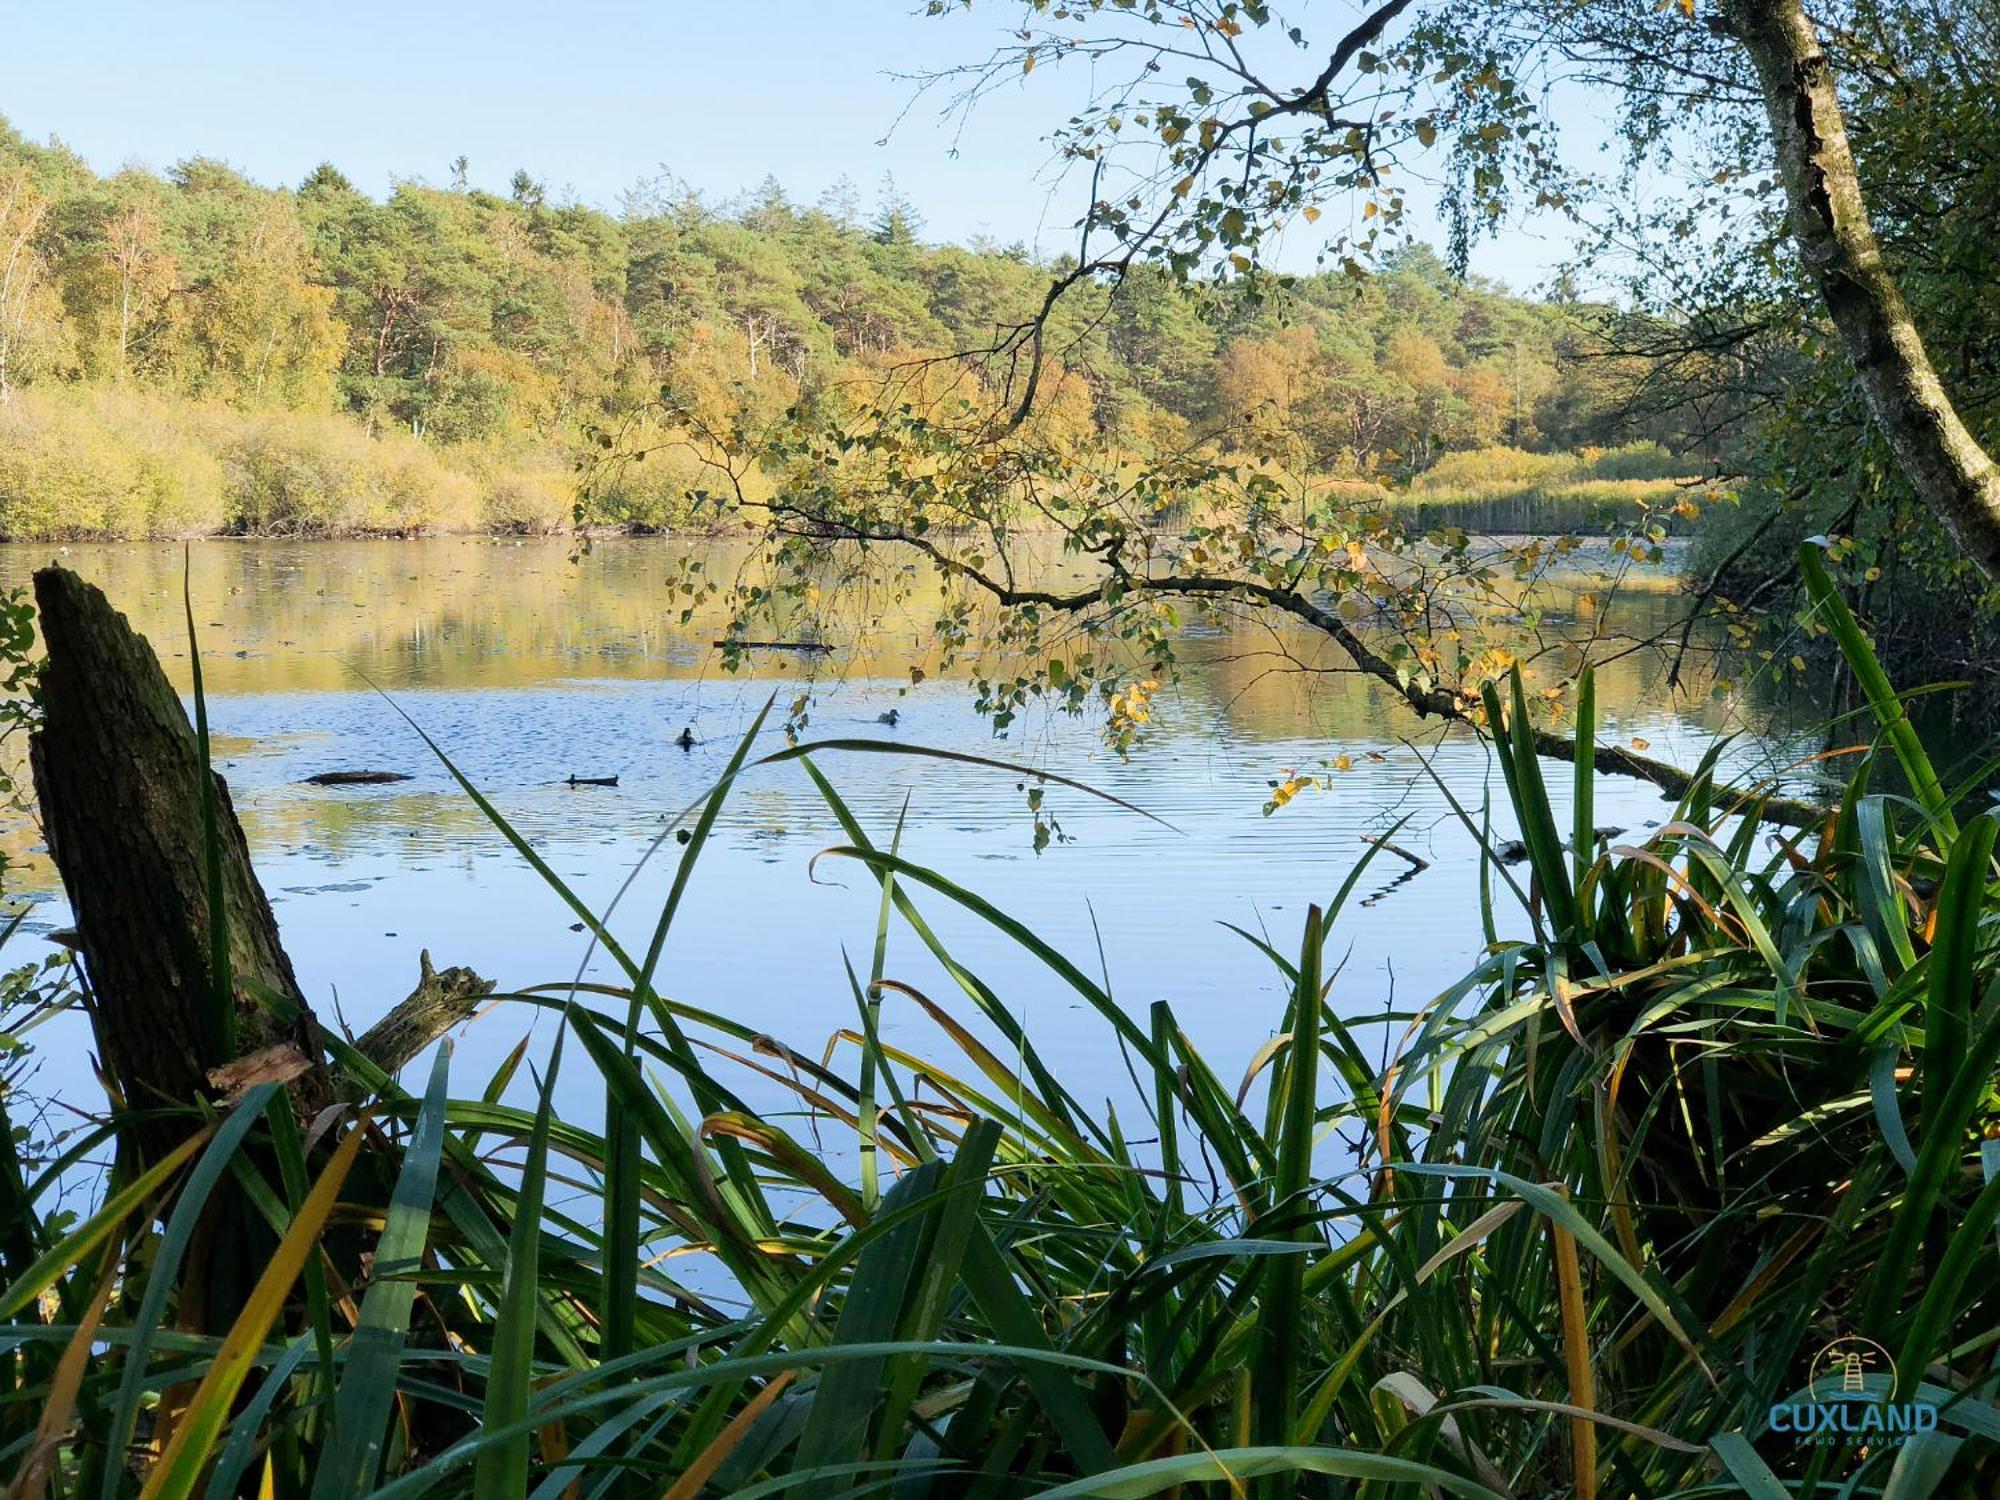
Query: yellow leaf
{"points": [[1639, 744], [1312, 215], [1343, 763]]}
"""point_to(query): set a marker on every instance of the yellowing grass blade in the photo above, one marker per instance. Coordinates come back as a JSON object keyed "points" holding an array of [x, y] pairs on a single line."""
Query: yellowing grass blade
{"points": [[31, 1480], [179, 1469], [698, 1473], [1576, 1359]]}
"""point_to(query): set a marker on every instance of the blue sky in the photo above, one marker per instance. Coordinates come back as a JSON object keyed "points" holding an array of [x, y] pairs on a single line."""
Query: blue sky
{"points": [[588, 95]]}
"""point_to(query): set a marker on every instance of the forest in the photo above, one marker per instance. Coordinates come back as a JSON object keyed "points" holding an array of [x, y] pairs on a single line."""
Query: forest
{"points": [[192, 353]]}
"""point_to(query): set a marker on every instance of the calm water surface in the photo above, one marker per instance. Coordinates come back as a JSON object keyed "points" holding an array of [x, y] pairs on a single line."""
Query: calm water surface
{"points": [[528, 668]]}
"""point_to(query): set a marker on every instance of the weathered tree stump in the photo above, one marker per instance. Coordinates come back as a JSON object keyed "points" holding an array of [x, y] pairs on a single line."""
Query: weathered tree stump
{"points": [[118, 777], [440, 1001]]}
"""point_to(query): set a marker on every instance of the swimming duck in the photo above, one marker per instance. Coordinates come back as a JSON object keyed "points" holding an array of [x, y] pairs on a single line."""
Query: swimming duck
{"points": [[685, 739], [889, 718]]}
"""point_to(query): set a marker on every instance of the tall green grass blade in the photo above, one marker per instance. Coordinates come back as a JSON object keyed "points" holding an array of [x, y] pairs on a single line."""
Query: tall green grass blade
{"points": [[163, 1278], [1014, 1321], [374, 1351], [187, 1455], [871, 1013], [1583, 825], [71, 1250], [247, 1432], [836, 1430], [502, 1467], [1232, 1465], [1952, 978], [1749, 1470], [1281, 1315], [1890, 712]]}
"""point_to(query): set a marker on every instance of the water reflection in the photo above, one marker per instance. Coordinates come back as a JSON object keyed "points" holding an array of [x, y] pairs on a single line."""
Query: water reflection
{"points": [[529, 668]]}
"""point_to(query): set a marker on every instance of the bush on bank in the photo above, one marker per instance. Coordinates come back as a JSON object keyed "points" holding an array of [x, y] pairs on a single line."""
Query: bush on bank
{"points": [[108, 465]]}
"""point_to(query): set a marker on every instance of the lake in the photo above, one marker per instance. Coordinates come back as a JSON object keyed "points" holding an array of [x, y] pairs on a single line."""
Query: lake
{"points": [[529, 667]]}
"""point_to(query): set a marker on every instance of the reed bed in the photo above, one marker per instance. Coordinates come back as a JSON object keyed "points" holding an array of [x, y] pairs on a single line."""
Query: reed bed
{"points": [[1700, 1105]]}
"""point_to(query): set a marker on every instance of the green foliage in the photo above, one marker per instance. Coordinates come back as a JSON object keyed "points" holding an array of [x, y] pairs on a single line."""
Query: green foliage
{"points": [[1617, 1185], [485, 326]]}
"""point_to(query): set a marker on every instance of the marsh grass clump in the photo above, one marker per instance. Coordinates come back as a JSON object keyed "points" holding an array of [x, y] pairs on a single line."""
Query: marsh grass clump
{"points": [[1593, 491], [1701, 1105]]}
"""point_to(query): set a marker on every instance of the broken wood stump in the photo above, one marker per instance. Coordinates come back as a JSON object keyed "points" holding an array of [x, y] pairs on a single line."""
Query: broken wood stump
{"points": [[118, 771], [440, 1001], [118, 777]]}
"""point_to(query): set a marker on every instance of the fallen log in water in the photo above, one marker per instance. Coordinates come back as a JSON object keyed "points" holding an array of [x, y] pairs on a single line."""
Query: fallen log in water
{"points": [[772, 646], [356, 778]]}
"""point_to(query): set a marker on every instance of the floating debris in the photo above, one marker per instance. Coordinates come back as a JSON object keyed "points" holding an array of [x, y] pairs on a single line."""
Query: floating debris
{"points": [[591, 781], [356, 778], [1417, 861]]}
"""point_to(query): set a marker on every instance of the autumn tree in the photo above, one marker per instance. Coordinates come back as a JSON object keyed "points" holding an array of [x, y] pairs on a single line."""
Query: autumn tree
{"points": [[1213, 127], [24, 207]]}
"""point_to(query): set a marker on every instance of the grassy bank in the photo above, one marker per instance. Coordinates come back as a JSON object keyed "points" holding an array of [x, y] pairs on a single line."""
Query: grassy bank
{"points": [[107, 465], [84, 464], [1700, 1107], [1593, 492]]}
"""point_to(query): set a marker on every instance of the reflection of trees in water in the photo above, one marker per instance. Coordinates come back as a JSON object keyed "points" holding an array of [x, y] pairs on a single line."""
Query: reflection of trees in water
{"points": [[480, 614]]}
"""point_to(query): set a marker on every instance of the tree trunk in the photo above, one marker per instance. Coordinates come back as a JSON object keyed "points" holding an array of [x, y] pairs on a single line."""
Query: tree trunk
{"points": [[1940, 458], [119, 779]]}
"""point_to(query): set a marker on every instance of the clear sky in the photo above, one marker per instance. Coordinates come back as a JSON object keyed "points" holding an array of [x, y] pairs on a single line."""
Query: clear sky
{"points": [[588, 95]]}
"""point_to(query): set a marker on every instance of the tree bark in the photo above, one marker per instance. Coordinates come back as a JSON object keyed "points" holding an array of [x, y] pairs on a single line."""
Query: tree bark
{"points": [[118, 778], [1938, 455]]}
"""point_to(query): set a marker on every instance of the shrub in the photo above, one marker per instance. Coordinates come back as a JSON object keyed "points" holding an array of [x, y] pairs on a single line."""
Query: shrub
{"points": [[650, 495], [1639, 461], [1481, 469], [102, 467], [526, 500]]}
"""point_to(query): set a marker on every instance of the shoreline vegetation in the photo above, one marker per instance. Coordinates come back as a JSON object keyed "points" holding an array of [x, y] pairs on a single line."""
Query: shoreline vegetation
{"points": [[1699, 1112], [103, 465], [191, 353]]}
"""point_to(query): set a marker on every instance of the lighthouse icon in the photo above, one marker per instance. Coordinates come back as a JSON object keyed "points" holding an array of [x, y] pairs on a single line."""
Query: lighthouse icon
{"points": [[1842, 1368], [1851, 1371]]}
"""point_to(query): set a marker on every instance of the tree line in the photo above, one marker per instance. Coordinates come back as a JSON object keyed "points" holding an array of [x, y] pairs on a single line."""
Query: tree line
{"points": [[500, 331]]}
